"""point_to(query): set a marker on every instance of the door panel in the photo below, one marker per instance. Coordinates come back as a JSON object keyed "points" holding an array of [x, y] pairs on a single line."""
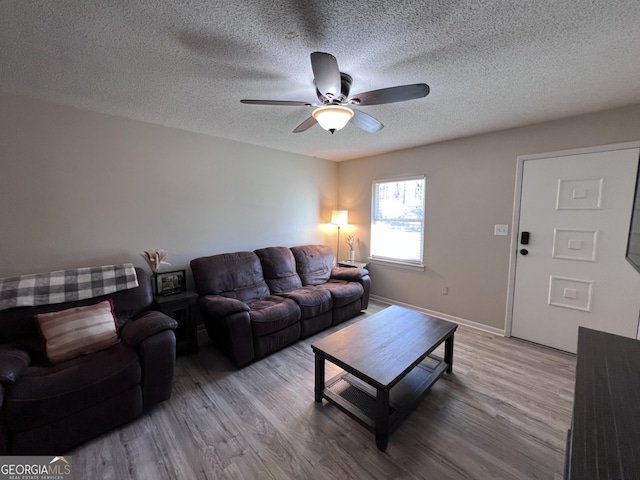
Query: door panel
{"points": [[577, 209]]}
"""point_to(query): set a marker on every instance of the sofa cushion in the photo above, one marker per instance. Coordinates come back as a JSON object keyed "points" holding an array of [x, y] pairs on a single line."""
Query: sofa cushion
{"points": [[343, 292], [313, 263], [279, 269], [77, 331], [234, 275], [47, 393], [312, 301], [145, 326], [271, 314]]}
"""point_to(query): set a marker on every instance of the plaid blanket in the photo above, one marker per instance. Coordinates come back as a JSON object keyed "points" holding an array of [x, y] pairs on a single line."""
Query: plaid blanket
{"points": [[65, 285]]}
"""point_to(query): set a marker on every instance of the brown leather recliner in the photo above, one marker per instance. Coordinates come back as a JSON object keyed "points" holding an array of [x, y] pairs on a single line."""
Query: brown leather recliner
{"points": [[254, 303], [47, 409]]}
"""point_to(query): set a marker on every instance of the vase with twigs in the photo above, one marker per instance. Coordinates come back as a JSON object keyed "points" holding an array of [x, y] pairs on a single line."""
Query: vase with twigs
{"points": [[351, 241], [154, 258]]}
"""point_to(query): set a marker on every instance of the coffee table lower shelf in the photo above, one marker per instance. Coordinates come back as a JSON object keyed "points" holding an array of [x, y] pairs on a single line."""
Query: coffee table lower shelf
{"points": [[359, 400]]}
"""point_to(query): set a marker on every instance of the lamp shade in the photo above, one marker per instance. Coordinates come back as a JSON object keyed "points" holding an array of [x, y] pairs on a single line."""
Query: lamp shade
{"points": [[332, 117], [339, 217]]}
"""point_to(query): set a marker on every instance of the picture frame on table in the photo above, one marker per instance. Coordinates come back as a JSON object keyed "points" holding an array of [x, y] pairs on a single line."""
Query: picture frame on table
{"points": [[170, 283]]}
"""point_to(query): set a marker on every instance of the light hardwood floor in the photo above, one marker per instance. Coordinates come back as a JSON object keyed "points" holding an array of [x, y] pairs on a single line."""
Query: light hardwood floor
{"points": [[502, 414]]}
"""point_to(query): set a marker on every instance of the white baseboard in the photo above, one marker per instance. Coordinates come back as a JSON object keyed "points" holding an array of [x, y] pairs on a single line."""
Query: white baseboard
{"points": [[444, 316]]}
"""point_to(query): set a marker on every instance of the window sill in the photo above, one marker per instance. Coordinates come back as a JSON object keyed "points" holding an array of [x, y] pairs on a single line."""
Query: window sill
{"points": [[397, 263]]}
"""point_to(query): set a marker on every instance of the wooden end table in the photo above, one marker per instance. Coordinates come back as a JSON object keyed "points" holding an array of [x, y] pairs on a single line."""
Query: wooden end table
{"points": [[388, 366], [182, 307], [352, 264]]}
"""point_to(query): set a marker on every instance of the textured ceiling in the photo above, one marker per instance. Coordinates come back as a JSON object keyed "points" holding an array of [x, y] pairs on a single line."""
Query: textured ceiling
{"points": [[491, 64]]}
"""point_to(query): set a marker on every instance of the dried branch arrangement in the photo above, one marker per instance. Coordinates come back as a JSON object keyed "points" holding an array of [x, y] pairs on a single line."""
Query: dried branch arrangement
{"points": [[155, 257]]}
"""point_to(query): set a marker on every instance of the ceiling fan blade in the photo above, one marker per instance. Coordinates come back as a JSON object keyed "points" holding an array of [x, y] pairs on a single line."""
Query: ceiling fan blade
{"points": [[326, 74], [306, 125], [286, 103], [391, 95], [365, 122]]}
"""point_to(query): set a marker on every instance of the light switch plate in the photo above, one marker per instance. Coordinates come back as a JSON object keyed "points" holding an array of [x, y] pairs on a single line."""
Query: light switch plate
{"points": [[501, 230]]}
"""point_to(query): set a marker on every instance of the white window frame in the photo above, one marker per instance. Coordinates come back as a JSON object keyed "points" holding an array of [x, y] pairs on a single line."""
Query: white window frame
{"points": [[403, 262]]}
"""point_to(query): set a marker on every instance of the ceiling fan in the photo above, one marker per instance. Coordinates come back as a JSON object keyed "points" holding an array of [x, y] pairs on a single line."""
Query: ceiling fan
{"points": [[334, 109]]}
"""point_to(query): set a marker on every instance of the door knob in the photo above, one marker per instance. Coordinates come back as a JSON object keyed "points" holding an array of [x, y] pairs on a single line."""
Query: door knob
{"points": [[524, 251]]}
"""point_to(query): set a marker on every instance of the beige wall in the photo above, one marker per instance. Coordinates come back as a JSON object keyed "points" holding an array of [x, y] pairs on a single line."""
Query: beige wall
{"points": [[79, 188], [469, 187]]}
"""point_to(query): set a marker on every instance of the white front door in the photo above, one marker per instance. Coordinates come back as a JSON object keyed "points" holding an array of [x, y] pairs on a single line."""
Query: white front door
{"points": [[573, 271]]}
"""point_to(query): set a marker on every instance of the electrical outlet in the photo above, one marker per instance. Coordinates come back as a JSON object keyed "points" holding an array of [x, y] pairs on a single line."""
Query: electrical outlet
{"points": [[501, 230], [445, 290]]}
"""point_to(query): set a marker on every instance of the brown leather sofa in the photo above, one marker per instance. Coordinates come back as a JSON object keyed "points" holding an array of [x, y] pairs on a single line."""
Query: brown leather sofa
{"points": [[47, 409], [254, 303]]}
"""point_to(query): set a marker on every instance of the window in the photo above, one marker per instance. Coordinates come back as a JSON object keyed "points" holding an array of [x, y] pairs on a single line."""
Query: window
{"points": [[397, 220]]}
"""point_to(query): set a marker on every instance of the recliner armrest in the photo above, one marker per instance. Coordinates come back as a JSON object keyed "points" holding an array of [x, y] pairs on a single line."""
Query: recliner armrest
{"points": [[14, 362], [349, 274], [217, 306], [150, 323]]}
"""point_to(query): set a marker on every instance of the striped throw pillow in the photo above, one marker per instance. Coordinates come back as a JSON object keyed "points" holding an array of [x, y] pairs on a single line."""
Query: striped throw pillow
{"points": [[77, 331]]}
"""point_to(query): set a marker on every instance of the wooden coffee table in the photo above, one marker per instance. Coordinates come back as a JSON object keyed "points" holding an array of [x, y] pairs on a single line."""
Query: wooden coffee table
{"points": [[387, 365]]}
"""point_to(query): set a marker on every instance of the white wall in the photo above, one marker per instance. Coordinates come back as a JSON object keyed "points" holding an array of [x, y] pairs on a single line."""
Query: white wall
{"points": [[469, 188], [79, 188]]}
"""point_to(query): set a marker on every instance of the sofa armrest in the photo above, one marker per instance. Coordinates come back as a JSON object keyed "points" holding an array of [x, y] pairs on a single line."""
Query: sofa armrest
{"points": [[217, 306], [349, 274], [157, 359], [145, 326], [229, 326], [14, 362], [360, 275]]}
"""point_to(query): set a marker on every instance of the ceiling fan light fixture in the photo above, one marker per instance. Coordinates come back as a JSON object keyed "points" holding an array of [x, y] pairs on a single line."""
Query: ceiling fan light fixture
{"points": [[332, 117]]}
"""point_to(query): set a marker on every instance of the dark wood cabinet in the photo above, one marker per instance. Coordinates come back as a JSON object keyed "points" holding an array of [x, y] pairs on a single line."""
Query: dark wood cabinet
{"points": [[183, 307], [604, 440]]}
